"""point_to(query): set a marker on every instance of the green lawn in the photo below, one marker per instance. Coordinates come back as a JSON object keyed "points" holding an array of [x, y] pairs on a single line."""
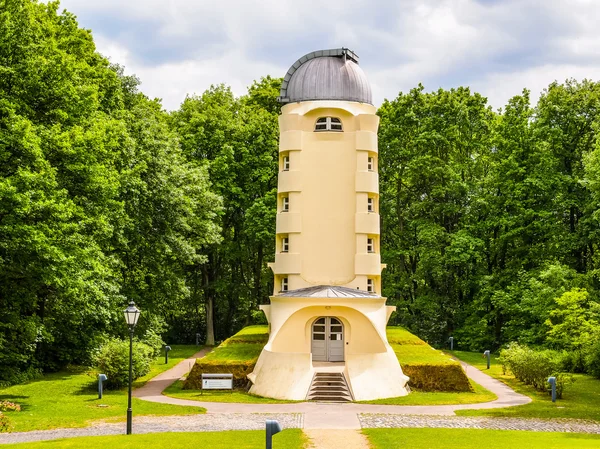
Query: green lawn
{"points": [[477, 439], [176, 390], [248, 439], [70, 399], [580, 400]]}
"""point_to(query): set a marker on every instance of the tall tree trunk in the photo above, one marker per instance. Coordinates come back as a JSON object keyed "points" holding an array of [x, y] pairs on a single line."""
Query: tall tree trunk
{"points": [[209, 302]]}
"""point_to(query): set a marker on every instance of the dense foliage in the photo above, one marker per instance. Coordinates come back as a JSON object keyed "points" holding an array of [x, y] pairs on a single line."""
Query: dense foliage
{"points": [[535, 367], [490, 220], [98, 204], [112, 359]]}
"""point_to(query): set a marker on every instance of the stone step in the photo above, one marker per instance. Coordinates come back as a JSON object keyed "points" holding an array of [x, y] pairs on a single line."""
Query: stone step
{"points": [[329, 387]]}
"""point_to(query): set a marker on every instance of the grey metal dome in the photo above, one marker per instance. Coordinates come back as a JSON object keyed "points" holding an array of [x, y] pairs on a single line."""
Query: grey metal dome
{"points": [[326, 75]]}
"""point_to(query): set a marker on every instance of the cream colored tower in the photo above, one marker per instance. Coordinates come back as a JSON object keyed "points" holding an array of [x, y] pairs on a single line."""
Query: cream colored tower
{"points": [[327, 307]]}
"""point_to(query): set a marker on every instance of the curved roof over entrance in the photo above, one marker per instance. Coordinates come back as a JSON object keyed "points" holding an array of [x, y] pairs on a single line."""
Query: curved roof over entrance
{"points": [[328, 291], [326, 75]]}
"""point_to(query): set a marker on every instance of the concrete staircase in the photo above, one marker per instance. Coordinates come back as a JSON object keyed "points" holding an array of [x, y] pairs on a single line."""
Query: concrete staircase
{"points": [[329, 387]]}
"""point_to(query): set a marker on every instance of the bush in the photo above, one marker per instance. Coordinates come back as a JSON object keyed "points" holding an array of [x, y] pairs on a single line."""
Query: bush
{"points": [[592, 360], [154, 341], [573, 361], [534, 367], [113, 360], [5, 425], [7, 406]]}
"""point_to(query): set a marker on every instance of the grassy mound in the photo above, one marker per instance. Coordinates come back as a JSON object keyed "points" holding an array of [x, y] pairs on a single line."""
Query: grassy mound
{"points": [[236, 355], [428, 368]]}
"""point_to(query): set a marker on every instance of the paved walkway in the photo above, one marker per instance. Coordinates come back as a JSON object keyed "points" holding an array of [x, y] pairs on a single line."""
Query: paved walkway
{"points": [[321, 421]]}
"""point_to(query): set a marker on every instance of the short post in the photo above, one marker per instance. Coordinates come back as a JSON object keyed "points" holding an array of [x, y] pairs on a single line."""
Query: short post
{"points": [[167, 349], [273, 427], [552, 382], [197, 339], [451, 340], [487, 354], [101, 379]]}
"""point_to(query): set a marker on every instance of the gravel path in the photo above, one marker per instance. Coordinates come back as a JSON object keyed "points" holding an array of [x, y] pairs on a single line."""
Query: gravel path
{"points": [[369, 421], [154, 424]]}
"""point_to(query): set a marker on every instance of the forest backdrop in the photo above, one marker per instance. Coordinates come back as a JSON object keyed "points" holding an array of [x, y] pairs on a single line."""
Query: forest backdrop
{"points": [[490, 219]]}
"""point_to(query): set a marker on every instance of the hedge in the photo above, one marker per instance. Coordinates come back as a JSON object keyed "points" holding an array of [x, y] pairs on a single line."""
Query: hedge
{"points": [[434, 377]]}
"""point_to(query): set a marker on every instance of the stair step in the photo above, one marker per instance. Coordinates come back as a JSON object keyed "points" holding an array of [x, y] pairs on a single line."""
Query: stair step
{"points": [[329, 387]]}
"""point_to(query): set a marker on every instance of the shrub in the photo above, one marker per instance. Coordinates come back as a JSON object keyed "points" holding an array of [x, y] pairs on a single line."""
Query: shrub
{"points": [[112, 359], [592, 360], [573, 361], [5, 425], [534, 367], [7, 406], [154, 341]]}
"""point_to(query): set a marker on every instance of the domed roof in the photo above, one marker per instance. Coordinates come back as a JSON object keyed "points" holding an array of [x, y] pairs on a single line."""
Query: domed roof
{"points": [[326, 75]]}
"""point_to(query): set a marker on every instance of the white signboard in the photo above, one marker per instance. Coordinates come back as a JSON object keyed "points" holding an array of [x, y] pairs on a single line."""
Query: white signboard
{"points": [[217, 384]]}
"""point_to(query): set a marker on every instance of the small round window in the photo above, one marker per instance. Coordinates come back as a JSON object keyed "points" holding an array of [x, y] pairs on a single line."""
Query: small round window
{"points": [[328, 124]]}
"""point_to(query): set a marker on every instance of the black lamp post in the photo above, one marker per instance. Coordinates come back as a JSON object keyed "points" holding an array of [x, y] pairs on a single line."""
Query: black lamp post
{"points": [[132, 315]]}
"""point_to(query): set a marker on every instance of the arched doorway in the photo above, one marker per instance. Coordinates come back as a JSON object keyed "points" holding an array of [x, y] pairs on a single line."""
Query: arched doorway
{"points": [[327, 344]]}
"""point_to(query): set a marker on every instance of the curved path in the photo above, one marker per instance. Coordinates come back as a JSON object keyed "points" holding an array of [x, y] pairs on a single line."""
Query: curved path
{"points": [[347, 419], [328, 415]]}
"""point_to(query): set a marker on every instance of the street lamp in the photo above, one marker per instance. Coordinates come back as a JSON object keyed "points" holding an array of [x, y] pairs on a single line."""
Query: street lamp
{"points": [[132, 315]]}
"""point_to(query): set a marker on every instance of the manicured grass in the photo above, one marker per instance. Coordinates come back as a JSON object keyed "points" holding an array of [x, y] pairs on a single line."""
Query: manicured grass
{"points": [[480, 394], [477, 439], [414, 354], [70, 399], [245, 346], [247, 439], [580, 400], [176, 355], [400, 336], [410, 349], [176, 390]]}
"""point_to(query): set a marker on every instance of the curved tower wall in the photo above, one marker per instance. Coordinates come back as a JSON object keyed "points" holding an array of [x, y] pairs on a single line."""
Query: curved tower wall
{"points": [[328, 185]]}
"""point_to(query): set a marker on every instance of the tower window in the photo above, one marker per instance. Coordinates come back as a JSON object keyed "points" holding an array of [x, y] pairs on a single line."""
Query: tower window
{"points": [[370, 204], [284, 284], [286, 163], [285, 244], [370, 163], [370, 286], [285, 204], [370, 246], [328, 124]]}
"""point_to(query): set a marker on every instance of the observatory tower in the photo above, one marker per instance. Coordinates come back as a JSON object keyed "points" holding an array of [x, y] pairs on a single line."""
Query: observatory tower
{"points": [[327, 314]]}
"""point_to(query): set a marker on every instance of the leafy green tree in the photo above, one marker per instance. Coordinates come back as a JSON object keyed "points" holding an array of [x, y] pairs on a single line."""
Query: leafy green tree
{"points": [[574, 322]]}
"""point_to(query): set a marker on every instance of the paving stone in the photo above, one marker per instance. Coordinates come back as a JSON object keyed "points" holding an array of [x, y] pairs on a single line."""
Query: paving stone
{"points": [[370, 420]]}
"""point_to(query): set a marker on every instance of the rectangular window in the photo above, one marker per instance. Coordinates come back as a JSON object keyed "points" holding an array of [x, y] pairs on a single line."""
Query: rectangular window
{"points": [[370, 205], [370, 246], [285, 204], [370, 164], [286, 163], [285, 244], [370, 286], [284, 284]]}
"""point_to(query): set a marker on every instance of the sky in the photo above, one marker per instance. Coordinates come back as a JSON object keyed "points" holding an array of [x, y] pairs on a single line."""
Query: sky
{"points": [[496, 47]]}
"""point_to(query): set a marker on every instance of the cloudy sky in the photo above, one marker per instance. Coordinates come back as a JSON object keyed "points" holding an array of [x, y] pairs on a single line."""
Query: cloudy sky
{"points": [[497, 47]]}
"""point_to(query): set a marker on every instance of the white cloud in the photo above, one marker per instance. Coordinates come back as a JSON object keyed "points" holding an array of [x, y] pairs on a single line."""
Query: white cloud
{"points": [[496, 47]]}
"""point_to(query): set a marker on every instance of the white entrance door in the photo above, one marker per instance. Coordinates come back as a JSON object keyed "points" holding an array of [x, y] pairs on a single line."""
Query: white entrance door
{"points": [[327, 340]]}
